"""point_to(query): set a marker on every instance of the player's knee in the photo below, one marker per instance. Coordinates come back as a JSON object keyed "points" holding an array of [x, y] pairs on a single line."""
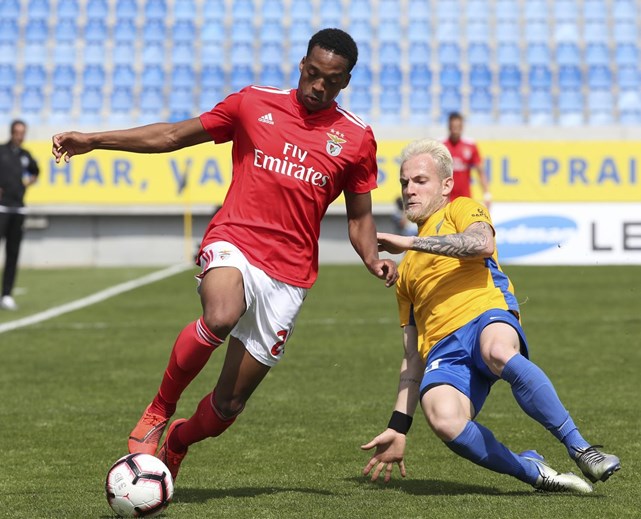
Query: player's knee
{"points": [[220, 321], [497, 354], [229, 407], [445, 426]]}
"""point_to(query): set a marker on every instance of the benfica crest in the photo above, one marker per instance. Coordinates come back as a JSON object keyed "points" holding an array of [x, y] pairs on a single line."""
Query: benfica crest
{"points": [[334, 147]]}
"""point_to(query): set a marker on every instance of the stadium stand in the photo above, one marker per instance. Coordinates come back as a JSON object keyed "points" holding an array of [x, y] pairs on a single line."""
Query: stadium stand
{"points": [[559, 62]]}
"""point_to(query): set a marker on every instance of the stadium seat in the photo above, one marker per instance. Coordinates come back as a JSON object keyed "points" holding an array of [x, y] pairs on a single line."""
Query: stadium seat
{"points": [[8, 53], [152, 76], [420, 104], [273, 10], [6, 101], [540, 108], [570, 77], [123, 76], [34, 76], [359, 10], [360, 102], [213, 10], [61, 106], [629, 78], [67, 9], [271, 54], [298, 51], [362, 76], [389, 9], [599, 77], [301, 10], [242, 54], [183, 76], [155, 10], [183, 54], [510, 107], [389, 31], [391, 105], [123, 52], [481, 110], [184, 31], [478, 54], [8, 76], [600, 105], [565, 10], [63, 76], [597, 54], [242, 10], [9, 31], [537, 32], [507, 31], [390, 76], [97, 9], [272, 75], [449, 53], [9, 10], [390, 54], [93, 76], [241, 76], [538, 54], [625, 31], [505, 10], [361, 31], [272, 32], [121, 104], [126, 9], [480, 77], [208, 98], [420, 77], [509, 77], [184, 10], [508, 53], [36, 31], [450, 101], [35, 53], [96, 32], [91, 102], [299, 32], [37, 9], [125, 31], [94, 53], [242, 32], [570, 108], [419, 9], [181, 104], [540, 77], [32, 101], [568, 54], [596, 31], [477, 32], [626, 54], [448, 31], [154, 31], [594, 10], [418, 31], [213, 32], [450, 77], [212, 77], [535, 10], [331, 14], [419, 53], [153, 54], [624, 10], [629, 105], [151, 104]]}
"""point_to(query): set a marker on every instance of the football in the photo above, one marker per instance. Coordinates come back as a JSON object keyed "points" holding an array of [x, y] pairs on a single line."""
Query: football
{"points": [[139, 485]]}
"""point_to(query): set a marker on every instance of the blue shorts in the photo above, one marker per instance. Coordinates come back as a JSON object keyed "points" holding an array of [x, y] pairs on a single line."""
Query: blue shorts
{"points": [[456, 359]]}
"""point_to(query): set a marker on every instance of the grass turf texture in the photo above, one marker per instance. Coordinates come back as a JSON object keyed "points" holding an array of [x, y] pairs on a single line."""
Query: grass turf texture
{"points": [[73, 387]]}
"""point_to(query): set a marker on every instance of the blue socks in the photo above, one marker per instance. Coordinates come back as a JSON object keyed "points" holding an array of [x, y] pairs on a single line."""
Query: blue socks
{"points": [[477, 444], [536, 395]]}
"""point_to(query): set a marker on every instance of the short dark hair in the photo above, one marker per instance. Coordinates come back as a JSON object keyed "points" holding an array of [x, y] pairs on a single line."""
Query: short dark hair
{"points": [[16, 122], [453, 116], [338, 42]]}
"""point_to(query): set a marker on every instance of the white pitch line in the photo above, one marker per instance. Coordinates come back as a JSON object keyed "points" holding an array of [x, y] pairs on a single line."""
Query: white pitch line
{"points": [[94, 298]]}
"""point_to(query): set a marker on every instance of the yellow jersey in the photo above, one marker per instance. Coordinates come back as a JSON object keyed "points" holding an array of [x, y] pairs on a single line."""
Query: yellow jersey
{"points": [[440, 294]]}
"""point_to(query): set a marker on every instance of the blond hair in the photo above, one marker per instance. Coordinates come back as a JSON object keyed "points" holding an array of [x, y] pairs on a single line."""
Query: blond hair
{"points": [[435, 149]]}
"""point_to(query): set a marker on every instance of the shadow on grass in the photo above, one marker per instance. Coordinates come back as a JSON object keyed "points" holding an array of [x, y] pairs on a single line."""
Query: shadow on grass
{"points": [[200, 495], [435, 487]]}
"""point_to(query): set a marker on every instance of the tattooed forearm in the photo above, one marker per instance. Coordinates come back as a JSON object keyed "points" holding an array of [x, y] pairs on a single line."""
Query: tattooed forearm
{"points": [[475, 241], [409, 380]]}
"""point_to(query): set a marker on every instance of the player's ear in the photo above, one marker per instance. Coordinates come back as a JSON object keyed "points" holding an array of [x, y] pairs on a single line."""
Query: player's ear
{"points": [[301, 65], [448, 185], [346, 82]]}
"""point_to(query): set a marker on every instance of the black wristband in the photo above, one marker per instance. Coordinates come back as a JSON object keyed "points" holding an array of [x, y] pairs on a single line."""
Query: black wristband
{"points": [[400, 422]]}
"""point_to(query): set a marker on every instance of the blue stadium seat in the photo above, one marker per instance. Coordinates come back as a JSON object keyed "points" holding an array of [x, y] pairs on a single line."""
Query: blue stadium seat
{"points": [[243, 10], [122, 102], [537, 32], [123, 76], [125, 31], [8, 53], [480, 106], [565, 10], [600, 107], [570, 107], [420, 77], [418, 31], [34, 76], [9, 10], [272, 32], [213, 54], [183, 76], [213, 10], [509, 77], [389, 31], [361, 76], [538, 54], [155, 10], [32, 101], [184, 10], [96, 32], [9, 31], [480, 77], [420, 102], [508, 53], [390, 76], [300, 32], [570, 77], [273, 10], [94, 53], [597, 54], [419, 53], [36, 31], [420, 10], [505, 10], [61, 106], [390, 104], [272, 75], [154, 31], [213, 32], [126, 10], [478, 54], [209, 98], [35, 53], [297, 52], [568, 54], [97, 9], [37, 9], [535, 10], [450, 77], [624, 10], [540, 107], [595, 10], [599, 77], [93, 76], [123, 52], [301, 10], [596, 31], [184, 31], [629, 78], [91, 101], [477, 32], [359, 10], [389, 9], [8, 76], [625, 31], [507, 31], [390, 53], [67, 9], [271, 54], [331, 14], [242, 32], [151, 104], [450, 101], [629, 105], [361, 30], [626, 54], [540, 77], [212, 77], [510, 107], [448, 31], [448, 10], [360, 101], [6, 101], [241, 76], [152, 76], [449, 53], [180, 103], [242, 54], [183, 53]]}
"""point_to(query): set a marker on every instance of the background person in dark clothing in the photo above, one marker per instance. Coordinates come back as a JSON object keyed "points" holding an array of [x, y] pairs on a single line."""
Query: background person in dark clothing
{"points": [[18, 170]]}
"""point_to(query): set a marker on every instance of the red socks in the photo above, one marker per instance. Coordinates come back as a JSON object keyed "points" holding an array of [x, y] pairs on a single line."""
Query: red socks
{"points": [[206, 422], [191, 351]]}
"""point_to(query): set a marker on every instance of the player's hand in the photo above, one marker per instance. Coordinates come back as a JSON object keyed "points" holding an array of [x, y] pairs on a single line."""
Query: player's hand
{"points": [[394, 243], [385, 269], [68, 144], [390, 448]]}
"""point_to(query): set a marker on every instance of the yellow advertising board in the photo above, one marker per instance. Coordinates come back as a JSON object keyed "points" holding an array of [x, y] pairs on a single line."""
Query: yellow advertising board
{"points": [[519, 171]]}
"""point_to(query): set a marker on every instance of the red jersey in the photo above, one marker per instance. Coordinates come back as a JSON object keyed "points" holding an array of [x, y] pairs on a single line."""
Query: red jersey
{"points": [[465, 155], [288, 165]]}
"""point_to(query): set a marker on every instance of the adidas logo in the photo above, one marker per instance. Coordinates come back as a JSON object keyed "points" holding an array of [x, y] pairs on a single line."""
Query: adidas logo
{"points": [[267, 118]]}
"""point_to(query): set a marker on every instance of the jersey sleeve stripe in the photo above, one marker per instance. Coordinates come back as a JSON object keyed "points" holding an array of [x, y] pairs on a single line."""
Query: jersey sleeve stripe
{"points": [[351, 117], [271, 90]]}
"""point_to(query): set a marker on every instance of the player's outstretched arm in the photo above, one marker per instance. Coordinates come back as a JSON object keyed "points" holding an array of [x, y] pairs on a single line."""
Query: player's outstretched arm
{"points": [[390, 449], [152, 138]]}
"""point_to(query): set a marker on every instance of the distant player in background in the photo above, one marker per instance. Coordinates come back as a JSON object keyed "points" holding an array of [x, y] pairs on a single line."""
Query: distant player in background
{"points": [[466, 158], [462, 333], [18, 170], [294, 152]]}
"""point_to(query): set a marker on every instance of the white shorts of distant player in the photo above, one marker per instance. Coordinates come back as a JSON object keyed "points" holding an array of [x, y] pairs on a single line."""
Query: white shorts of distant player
{"points": [[272, 306]]}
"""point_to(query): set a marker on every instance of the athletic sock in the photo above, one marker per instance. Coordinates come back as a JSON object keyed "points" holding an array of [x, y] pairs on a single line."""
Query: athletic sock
{"points": [[191, 351], [206, 422], [536, 395], [477, 444]]}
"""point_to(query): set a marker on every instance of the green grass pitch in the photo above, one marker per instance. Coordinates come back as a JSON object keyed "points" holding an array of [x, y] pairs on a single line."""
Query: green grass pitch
{"points": [[71, 388]]}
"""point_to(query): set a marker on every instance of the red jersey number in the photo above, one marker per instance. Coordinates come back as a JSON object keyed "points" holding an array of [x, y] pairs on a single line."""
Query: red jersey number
{"points": [[279, 347]]}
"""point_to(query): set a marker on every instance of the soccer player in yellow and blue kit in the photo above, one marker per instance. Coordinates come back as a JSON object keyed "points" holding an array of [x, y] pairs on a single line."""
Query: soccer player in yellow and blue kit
{"points": [[462, 333]]}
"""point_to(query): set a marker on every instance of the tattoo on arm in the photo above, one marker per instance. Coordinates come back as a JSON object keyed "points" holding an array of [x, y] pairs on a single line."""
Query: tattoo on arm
{"points": [[410, 380], [469, 243]]}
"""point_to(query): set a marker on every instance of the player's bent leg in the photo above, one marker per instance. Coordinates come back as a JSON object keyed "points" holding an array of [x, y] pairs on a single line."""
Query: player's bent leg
{"points": [[595, 464]]}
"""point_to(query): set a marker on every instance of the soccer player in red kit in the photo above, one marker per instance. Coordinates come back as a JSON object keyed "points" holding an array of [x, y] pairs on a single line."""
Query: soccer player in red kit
{"points": [[466, 157], [294, 152]]}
